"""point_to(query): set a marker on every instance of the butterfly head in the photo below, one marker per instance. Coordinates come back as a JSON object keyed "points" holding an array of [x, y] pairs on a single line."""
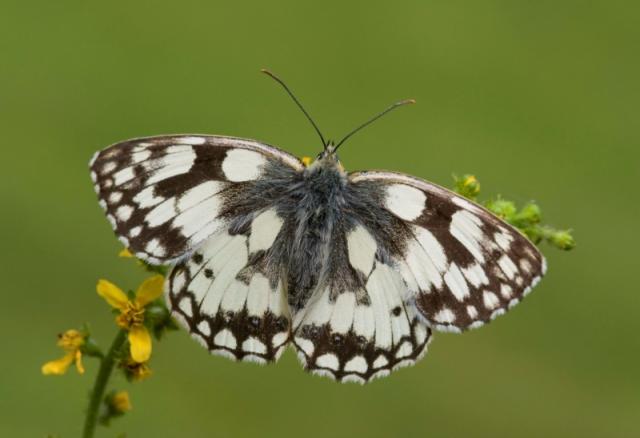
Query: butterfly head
{"points": [[327, 159]]}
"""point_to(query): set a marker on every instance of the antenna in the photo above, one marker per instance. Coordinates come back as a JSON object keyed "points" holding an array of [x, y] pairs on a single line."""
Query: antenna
{"points": [[373, 119], [281, 82]]}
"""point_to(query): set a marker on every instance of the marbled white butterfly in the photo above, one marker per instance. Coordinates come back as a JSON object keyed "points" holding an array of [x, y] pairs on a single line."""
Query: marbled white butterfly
{"points": [[353, 269]]}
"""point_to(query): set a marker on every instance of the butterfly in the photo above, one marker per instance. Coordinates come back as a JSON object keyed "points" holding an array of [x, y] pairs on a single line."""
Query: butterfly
{"points": [[355, 270]]}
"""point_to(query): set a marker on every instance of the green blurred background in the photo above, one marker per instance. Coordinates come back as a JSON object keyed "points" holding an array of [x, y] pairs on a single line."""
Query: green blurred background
{"points": [[538, 99]]}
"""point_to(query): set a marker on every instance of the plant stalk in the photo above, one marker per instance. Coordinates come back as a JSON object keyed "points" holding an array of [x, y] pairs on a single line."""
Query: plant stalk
{"points": [[99, 386]]}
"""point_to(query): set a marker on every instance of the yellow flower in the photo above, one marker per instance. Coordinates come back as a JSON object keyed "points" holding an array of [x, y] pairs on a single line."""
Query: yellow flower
{"points": [[120, 402], [70, 341], [131, 315], [470, 182], [306, 161]]}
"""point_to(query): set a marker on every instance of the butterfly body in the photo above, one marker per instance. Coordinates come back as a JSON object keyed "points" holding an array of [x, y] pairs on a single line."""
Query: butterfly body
{"points": [[354, 270]]}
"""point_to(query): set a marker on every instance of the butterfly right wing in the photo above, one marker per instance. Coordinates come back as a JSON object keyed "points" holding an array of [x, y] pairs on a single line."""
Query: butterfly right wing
{"points": [[228, 297], [463, 265], [359, 326]]}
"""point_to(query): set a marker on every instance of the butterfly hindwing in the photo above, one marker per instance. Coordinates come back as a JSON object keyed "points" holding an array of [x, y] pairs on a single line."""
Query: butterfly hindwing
{"points": [[166, 195], [461, 264], [226, 297], [359, 326]]}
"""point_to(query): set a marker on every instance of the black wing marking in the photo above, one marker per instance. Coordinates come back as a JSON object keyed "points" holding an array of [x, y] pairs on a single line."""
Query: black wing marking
{"points": [[165, 195], [463, 265]]}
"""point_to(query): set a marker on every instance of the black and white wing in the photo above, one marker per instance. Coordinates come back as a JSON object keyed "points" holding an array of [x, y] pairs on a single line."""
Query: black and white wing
{"points": [[228, 299], [165, 195], [198, 202], [358, 326], [462, 266]]}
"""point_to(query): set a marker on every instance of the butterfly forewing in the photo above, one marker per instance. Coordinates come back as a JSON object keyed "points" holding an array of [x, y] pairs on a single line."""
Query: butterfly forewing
{"points": [[165, 195], [461, 264]]}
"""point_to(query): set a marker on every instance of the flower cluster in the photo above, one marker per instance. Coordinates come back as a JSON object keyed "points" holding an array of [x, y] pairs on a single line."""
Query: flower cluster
{"points": [[140, 315], [527, 219]]}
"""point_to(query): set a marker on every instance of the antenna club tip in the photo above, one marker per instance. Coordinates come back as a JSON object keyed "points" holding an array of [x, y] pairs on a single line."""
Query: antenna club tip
{"points": [[411, 101]]}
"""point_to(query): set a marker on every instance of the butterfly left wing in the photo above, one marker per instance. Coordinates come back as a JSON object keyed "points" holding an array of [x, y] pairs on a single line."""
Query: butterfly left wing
{"points": [[228, 296], [166, 195], [462, 265]]}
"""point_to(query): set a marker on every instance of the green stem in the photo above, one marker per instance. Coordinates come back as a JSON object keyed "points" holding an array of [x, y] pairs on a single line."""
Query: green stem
{"points": [[97, 394]]}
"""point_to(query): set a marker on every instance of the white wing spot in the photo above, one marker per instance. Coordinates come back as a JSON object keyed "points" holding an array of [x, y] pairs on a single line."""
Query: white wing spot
{"points": [[472, 312], [108, 167], [445, 316], [464, 227], [145, 198], [124, 212], [405, 201], [264, 230], [115, 197], [155, 248], [421, 334], [328, 360], [242, 165], [185, 306], [456, 282], [361, 248], [525, 265], [503, 240], [305, 345], [254, 345], [204, 328], [280, 339], [380, 361], [405, 350], [122, 176], [352, 378], [140, 154], [162, 213], [461, 202], [343, 312], [225, 338], [506, 291], [357, 365], [507, 266], [475, 275], [490, 300], [198, 194]]}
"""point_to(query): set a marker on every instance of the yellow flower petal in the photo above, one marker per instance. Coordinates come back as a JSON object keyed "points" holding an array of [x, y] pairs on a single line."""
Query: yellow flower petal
{"points": [[140, 343], [78, 360], [125, 253], [149, 290], [112, 294], [306, 161], [59, 366]]}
